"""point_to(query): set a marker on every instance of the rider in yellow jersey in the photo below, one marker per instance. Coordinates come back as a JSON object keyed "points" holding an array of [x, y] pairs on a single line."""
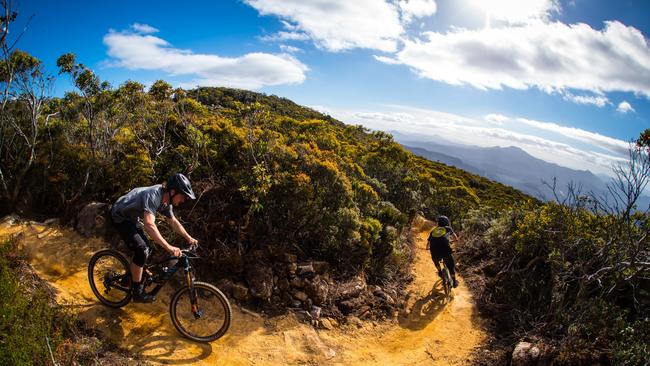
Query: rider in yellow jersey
{"points": [[438, 244]]}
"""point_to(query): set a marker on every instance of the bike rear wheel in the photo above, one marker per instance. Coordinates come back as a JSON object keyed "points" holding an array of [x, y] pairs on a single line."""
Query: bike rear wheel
{"points": [[207, 320], [446, 283], [110, 278]]}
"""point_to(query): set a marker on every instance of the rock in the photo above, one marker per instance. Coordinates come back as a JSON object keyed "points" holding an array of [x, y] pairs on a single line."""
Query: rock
{"points": [[287, 299], [225, 285], [383, 295], [315, 312], [283, 284], [349, 306], [299, 295], [525, 354], [94, 219], [52, 221], [320, 267], [296, 282], [353, 320], [260, 279], [306, 270], [290, 258], [239, 291], [351, 288], [292, 268], [317, 290], [326, 323]]}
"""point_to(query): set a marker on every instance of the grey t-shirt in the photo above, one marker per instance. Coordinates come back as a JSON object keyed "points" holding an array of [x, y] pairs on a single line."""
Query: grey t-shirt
{"points": [[133, 205]]}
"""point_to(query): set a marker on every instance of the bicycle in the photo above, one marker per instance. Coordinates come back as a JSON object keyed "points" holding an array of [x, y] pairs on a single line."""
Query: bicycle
{"points": [[198, 310]]}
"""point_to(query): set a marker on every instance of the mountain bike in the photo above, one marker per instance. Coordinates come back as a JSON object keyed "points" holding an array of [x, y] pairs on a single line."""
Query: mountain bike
{"points": [[199, 310]]}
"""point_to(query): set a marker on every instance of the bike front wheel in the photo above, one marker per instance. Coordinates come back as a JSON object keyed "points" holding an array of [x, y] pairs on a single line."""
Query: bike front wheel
{"points": [[202, 316], [110, 278]]}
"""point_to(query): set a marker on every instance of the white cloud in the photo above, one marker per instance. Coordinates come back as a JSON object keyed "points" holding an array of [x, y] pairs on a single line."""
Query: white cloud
{"points": [[625, 107], [337, 25], [143, 28], [429, 124], [549, 56], [390, 117], [605, 142], [250, 71], [597, 100], [412, 9], [289, 49], [286, 36], [518, 11], [497, 119]]}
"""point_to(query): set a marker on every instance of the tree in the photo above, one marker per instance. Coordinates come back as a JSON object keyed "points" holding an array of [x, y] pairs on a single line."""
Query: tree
{"points": [[28, 90]]}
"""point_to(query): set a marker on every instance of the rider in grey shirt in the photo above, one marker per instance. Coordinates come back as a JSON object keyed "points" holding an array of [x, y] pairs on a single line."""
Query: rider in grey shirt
{"points": [[137, 210]]}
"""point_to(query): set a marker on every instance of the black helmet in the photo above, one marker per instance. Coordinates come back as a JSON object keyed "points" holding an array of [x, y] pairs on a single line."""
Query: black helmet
{"points": [[443, 221], [181, 184]]}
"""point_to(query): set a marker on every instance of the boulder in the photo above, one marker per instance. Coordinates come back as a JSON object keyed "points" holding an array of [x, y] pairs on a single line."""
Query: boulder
{"points": [[296, 282], [239, 291], [317, 290], [283, 284], [351, 288], [525, 354], [259, 277], [225, 285], [320, 267], [94, 219], [306, 270], [299, 295], [290, 258]]}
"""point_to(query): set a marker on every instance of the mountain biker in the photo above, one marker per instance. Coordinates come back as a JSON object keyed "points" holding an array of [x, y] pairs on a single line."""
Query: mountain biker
{"points": [[438, 244], [136, 210]]}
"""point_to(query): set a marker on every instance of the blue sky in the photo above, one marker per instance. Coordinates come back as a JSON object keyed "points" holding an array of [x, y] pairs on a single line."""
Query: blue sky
{"points": [[566, 80]]}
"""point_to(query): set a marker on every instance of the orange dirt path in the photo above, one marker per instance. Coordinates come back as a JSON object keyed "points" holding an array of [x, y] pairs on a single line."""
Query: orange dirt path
{"points": [[428, 333]]}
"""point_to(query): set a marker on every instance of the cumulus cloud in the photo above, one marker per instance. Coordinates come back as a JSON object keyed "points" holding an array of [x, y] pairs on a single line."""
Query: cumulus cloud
{"points": [[337, 25], [251, 71], [625, 107], [549, 56], [605, 142], [286, 36], [289, 49], [597, 100], [143, 28], [412, 9], [517, 11], [497, 119]]}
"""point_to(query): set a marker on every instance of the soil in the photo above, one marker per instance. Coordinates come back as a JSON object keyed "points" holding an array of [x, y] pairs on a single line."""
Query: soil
{"points": [[428, 332]]}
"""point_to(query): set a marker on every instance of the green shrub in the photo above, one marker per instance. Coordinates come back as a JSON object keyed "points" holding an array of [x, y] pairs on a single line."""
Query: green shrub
{"points": [[26, 319]]}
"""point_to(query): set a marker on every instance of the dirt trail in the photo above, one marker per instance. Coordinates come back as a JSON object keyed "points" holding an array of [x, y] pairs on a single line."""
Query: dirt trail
{"points": [[430, 333]]}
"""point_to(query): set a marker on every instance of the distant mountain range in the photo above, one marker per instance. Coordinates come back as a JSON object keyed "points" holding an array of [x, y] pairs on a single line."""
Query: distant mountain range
{"points": [[508, 165]]}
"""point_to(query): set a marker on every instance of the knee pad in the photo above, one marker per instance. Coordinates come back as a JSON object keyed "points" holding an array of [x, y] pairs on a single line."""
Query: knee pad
{"points": [[141, 250]]}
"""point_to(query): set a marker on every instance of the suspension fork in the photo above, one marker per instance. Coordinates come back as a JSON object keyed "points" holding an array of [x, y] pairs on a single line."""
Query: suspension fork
{"points": [[189, 272]]}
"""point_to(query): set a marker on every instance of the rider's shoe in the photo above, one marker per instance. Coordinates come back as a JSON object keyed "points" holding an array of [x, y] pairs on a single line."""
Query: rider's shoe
{"points": [[138, 294], [454, 283]]}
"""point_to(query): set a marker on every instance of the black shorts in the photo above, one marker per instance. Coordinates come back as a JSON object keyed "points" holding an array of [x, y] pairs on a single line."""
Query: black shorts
{"points": [[438, 252], [135, 240]]}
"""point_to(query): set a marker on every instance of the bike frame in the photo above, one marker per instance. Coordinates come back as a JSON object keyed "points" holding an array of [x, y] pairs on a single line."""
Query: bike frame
{"points": [[182, 262]]}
